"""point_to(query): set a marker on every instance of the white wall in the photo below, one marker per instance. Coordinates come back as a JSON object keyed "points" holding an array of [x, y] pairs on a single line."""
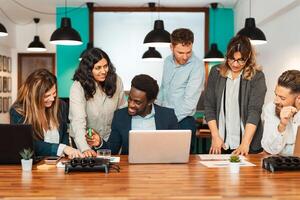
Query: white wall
{"points": [[25, 34], [121, 35], [7, 48], [19, 36], [279, 20]]}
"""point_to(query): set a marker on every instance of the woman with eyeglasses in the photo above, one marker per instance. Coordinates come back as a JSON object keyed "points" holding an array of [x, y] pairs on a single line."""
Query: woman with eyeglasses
{"points": [[233, 101]]}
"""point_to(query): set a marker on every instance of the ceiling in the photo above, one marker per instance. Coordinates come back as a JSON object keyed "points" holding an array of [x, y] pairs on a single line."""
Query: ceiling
{"points": [[17, 13]]}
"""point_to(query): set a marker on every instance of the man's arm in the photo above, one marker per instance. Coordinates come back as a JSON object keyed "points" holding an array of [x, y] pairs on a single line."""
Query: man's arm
{"points": [[114, 142], [192, 92], [273, 141]]}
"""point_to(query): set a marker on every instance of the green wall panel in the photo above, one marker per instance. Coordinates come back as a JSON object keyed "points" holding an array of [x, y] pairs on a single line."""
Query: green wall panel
{"points": [[67, 56], [221, 28]]}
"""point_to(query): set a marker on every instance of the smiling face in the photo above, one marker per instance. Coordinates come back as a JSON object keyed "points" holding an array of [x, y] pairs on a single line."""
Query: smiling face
{"points": [[100, 70], [182, 53], [284, 97], [49, 97], [138, 103]]}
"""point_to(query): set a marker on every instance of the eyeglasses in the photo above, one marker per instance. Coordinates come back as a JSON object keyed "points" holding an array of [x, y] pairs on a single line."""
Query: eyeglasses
{"points": [[240, 61]]}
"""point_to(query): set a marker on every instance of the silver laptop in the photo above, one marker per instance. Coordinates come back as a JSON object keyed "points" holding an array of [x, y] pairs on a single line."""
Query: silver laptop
{"points": [[159, 146], [297, 143]]}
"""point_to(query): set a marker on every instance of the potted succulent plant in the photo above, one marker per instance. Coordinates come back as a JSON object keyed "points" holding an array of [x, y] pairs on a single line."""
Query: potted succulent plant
{"points": [[234, 164], [26, 160]]}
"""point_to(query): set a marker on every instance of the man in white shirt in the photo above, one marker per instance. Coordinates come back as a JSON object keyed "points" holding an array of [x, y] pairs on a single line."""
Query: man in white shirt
{"points": [[282, 117]]}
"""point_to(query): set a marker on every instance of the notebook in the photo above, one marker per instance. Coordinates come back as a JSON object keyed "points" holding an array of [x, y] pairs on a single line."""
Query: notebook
{"points": [[14, 138], [159, 146], [297, 143]]}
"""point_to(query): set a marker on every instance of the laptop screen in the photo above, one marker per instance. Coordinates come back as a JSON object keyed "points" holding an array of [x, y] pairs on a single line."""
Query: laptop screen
{"points": [[14, 138], [159, 146]]}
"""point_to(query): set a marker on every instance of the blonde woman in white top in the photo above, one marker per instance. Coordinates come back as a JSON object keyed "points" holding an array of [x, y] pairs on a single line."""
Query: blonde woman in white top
{"points": [[96, 93]]}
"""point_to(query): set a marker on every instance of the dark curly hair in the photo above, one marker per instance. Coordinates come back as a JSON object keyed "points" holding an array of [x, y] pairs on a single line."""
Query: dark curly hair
{"points": [[146, 84], [84, 74]]}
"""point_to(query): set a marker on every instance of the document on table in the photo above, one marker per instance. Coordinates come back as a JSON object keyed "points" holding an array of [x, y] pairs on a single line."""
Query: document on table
{"points": [[221, 160], [223, 163], [217, 157]]}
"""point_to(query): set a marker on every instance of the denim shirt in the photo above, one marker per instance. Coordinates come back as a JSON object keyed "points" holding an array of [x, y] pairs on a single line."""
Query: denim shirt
{"points": [[181, 86]]}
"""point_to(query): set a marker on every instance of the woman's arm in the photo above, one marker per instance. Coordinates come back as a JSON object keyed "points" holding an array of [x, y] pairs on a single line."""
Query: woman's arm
{"points": [[78, 116], [210, 106], [256, 100]]}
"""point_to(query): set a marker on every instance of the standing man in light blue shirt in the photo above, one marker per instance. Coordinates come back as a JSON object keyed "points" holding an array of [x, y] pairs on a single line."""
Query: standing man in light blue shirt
{"points": [[183, 80]]}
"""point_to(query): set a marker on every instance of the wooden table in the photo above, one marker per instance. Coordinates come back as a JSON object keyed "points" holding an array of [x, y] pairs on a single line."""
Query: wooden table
{"points": [[159, 181]]}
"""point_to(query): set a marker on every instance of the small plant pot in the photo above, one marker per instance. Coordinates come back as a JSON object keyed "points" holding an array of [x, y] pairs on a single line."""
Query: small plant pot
{"points": [[26, 165], [234, 167]]}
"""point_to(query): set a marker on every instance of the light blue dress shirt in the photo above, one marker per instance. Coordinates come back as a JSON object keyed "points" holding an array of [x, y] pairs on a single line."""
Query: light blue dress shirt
{"points": [[144, 123], [181, 86]]}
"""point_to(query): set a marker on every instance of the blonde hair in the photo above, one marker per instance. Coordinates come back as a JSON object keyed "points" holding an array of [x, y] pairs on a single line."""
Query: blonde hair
{"points": [[30, 102], [241, 44]]}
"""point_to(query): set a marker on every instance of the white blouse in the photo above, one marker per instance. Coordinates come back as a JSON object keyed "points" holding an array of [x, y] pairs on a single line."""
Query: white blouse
{"points": [[52, 136], [96, 113]]}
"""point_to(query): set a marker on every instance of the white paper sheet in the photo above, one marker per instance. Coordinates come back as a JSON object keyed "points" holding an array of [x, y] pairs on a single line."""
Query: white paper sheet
{"points": [[218, 157], [219, 164]]}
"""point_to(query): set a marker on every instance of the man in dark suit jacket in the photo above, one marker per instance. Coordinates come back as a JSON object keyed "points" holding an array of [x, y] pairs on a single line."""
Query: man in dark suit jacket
{"points": [[141, 113]]}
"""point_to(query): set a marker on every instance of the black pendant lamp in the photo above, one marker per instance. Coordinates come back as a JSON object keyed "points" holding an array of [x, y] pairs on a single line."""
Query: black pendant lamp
{"points": [[158, 37], [214, 54], [36, 45], [152, 55], [65, 35], [3, 31], [250, 30], [88, 46], [255, 35]]}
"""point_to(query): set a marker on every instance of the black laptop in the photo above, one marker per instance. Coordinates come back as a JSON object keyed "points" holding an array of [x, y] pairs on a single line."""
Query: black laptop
{"points": [[13, 139]]}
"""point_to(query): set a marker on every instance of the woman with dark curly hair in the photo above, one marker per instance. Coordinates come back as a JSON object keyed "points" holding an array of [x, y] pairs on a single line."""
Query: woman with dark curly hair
{"points": [[233, 101], [96, 93]]}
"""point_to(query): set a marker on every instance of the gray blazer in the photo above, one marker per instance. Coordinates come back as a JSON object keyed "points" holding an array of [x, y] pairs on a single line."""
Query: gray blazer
{"points": [[252, 99]]}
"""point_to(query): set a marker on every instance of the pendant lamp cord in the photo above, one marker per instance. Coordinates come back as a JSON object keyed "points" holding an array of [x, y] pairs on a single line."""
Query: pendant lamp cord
{"points": [[250, 7], [214, 31], [158, 9], [65, 8]]}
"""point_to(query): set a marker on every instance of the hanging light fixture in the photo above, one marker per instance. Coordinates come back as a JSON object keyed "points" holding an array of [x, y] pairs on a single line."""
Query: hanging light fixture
{"points": [[3, 31], [250, 30], [36, 45], [158, 37], [65, 35], [152, 55], [214, 54], [88, 46]]}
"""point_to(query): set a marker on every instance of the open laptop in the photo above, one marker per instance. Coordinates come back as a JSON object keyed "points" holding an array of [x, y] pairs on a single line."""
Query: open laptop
{"points": [[159, 146], [14, 138], [297, 143]]}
